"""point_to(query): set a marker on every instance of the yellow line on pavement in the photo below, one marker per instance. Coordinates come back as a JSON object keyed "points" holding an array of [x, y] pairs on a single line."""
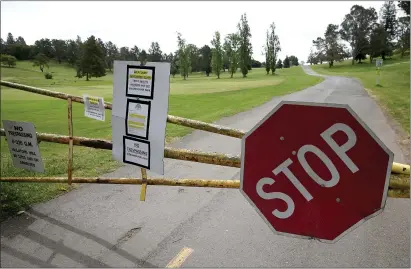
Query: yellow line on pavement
{"points": [[180, 258]]}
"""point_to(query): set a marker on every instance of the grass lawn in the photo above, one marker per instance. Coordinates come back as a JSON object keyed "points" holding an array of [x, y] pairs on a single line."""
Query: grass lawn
{"points": [[393, 94], [199, 97]]}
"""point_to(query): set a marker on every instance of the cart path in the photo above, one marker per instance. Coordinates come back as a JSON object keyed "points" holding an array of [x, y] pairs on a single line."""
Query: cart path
{"points": [[107, 226]]}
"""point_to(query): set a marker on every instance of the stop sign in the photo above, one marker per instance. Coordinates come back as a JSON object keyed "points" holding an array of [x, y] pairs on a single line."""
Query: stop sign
{"points": [[314, 170]]}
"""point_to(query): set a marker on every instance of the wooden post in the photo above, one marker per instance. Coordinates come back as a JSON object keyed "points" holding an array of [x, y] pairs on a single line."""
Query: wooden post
{"points": [[70, 129], [144, 184], [143, 170]]}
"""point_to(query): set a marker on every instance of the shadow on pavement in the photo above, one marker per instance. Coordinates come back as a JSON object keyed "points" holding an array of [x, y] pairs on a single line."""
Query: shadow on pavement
{"points": [[21, 227]]}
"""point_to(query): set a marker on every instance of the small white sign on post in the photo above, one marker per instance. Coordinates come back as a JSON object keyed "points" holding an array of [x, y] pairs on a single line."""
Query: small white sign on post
{"points": [[23, 146], [139, 114], [378, 63], [94, 107]]}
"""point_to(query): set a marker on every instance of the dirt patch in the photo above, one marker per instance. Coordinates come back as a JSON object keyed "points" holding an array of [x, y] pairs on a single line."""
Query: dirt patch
{"points": [[403, 140]]}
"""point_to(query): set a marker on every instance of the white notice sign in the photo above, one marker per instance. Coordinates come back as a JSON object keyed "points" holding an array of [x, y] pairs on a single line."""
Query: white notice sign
{"points": [[23, 146], [138, 118], [136, 152], [139, 114], [378, 63], [140, 81], [94, 107]]}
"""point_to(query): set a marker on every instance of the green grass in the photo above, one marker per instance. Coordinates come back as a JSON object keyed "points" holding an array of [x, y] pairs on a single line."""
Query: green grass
{"points": [[200, 97], [394, 92]]}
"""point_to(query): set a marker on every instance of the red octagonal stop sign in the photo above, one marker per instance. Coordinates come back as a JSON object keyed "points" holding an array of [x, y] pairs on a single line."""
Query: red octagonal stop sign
{"points": [[314, 170]]}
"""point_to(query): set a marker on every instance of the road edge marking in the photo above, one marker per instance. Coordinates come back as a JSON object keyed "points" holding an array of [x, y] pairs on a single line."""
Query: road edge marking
{"points": [[179, 259]]}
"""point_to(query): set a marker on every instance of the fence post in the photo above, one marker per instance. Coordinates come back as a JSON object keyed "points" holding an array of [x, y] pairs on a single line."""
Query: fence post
{"points": [[70, 129]]}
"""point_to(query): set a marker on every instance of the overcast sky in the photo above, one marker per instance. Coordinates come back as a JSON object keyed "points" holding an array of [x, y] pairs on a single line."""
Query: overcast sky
{"points": [[140, 23]]}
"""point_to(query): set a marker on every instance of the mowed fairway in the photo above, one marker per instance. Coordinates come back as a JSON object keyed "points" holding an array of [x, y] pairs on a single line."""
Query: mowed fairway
{"points": [[393, 94], [199, 97]]}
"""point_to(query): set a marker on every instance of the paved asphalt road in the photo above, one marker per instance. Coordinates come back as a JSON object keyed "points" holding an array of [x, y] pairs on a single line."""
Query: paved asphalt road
{"points": [[107, 226]]}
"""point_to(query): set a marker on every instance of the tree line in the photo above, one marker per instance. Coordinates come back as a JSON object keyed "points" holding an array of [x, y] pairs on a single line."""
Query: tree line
{"points": [[232, 53], [93, 57], [366, 33]]}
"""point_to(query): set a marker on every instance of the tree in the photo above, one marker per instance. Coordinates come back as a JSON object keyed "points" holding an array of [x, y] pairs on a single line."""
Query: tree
{"points": [[91, 62], [388, 18], [20, 40], [403, 34], [154, 53], [135, 52], [194, 58], [322, 57], [44, 46], [279, 64], [206, 56], [389, 22], [2, 46], [173, 64], [293, 60], [143, 56], [41, 61], [226, 62], [286, 62], [250, 64], [314, 57], [330, 45], [377, 41], [405, 6], [183, 56], [268, 53], [10, 39], [217, 54], [18, 50], [274, 47], [103, 47], [126, 54], [255, 63], [356, 29], [112, 54], [245, 45], [231, 50], [59, 47], [72, 51], [311, 57]]}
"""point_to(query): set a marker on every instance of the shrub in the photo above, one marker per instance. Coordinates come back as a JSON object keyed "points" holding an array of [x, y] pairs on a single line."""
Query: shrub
{"points": [[8, 60], [48, 75]]}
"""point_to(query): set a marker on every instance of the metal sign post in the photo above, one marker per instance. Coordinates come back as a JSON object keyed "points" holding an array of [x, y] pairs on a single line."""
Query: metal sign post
{"points": [[378, 64]]}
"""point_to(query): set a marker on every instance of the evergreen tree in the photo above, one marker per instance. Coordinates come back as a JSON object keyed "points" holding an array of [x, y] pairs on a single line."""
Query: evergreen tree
{"points": [[279, 64], [10, 39], [183, 56], [286, 62], [389, 22], [91, 61], [231, 50], [217, 54], [206, 56], [245, 45]]}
